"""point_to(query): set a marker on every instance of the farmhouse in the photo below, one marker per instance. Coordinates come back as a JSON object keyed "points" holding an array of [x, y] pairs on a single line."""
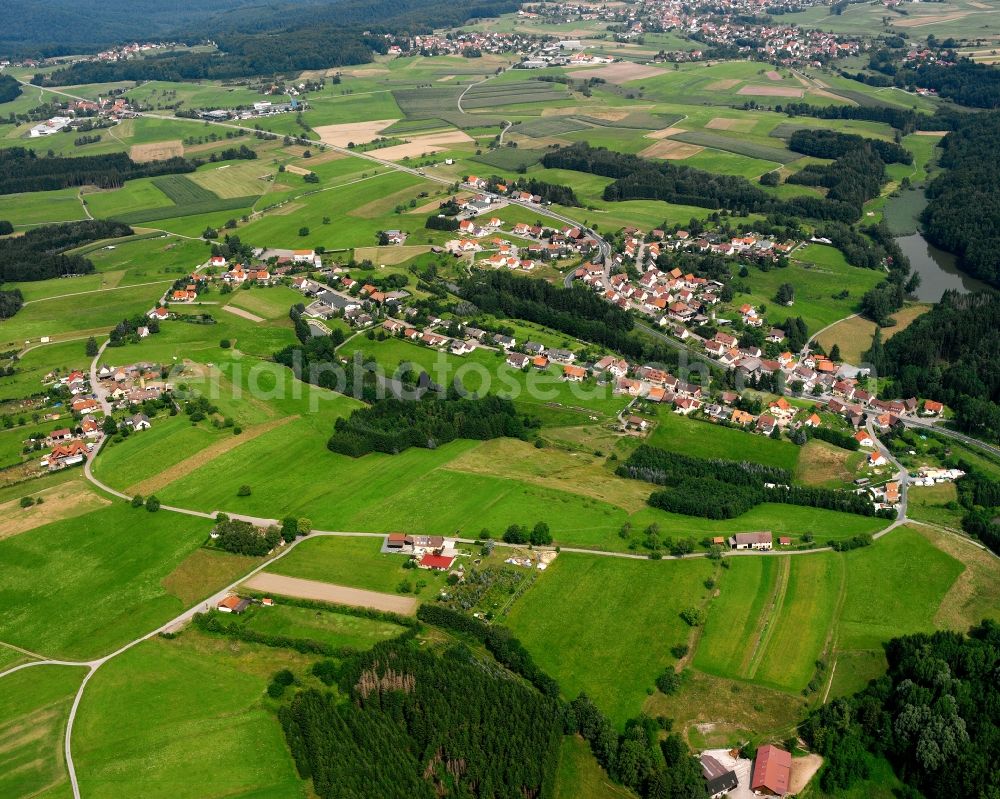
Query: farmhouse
{"points": [[233, 604], [772, 771], [436, 562], [719, 780], [759, 541]]}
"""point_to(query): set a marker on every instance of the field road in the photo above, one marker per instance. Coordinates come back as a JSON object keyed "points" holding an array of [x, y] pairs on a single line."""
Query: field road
{"points": [[245, 314], [328, 592]]}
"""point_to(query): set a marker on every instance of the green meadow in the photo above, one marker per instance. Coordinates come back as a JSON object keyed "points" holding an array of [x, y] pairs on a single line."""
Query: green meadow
{"points": [[676, 433], [185, 719], [328, 627], [356, 562], [99, 574], [613, 647], [34, 707]]}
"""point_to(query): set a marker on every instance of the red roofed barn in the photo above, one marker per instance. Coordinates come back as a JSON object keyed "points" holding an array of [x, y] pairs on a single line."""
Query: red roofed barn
{"points": [[772, 771]]}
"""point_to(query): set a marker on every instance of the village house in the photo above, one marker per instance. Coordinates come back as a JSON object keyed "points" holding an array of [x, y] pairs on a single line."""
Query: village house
{"points": [[574, 374], [759, 541], [518, 360]]}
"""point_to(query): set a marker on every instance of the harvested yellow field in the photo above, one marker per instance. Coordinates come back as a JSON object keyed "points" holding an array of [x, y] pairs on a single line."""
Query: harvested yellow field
{"points": [[64, 501], [663, 133], [671, 150], [356, 132], [723, 85], [726, 123], [157, 151], [622, 72], [390, 256], [427, 143]]}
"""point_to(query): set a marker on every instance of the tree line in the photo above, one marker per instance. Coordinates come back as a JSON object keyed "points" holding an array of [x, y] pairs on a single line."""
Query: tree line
{"points": [[10, 303], [10, 88], [576, 311], [934, 715], [393, 425], [822, 143], [640, 178], [636, 758], [659, 466], [23, 170], [963, 215], [41, 252]]}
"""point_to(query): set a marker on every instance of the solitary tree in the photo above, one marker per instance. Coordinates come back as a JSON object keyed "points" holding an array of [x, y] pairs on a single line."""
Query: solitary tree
{"points": [[92, 347]]}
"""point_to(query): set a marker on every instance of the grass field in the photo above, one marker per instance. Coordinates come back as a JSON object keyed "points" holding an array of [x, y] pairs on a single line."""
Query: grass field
{"points": [[614, 648], [99, 574], [34, 706], [818, 274], [236, 179], [705, 440], [912, 577], [41, 207], [335, 629], [185, 719], [580, 777]]}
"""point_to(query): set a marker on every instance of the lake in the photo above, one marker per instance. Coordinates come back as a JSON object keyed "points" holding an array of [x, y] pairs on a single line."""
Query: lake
{"points": [[936, 268]]}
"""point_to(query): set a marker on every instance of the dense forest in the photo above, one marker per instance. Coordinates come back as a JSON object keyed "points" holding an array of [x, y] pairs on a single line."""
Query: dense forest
{"points": [[415, 724], [934, 716], [822, 143], [23, 170], [854, 178], [550, 192], [10, 89], [664, 468], [979, 494], [967, 83], [40, 253], [281, 38], [10, 303], [963, 215], [903, 119], [949, 354], [637, 177], [393, 425]]}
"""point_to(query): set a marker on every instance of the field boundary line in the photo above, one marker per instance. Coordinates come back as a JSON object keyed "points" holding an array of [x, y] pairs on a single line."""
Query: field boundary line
{"points": [[771, 617]]}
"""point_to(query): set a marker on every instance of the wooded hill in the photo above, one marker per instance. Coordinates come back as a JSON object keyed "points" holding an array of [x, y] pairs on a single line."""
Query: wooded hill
{"points": [[963, 215], [934, 716], [281, 38]]}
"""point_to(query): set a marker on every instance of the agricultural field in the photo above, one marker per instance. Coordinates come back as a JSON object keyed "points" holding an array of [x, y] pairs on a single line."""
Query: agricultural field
{"points": [[34, 706], [148, 709], [108, 565], [613, 649], [706, 440]]}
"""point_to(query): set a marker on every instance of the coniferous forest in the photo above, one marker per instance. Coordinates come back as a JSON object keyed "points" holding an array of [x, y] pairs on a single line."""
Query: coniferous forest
{"points": [[39, 253], [963, 215], [419, 725]]}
